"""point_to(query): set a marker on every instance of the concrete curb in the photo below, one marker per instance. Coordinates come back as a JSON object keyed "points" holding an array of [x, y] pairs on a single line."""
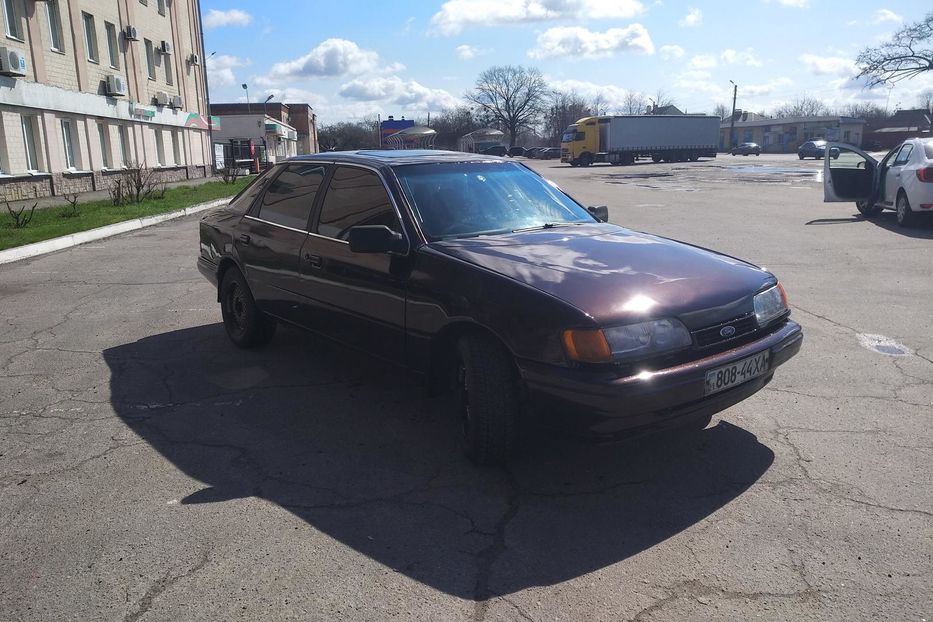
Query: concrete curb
{"points": [[82, 237]]}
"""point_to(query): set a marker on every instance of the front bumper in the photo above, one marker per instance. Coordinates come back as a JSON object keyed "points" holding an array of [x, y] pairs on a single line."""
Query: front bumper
{"points": [[603, 403]]}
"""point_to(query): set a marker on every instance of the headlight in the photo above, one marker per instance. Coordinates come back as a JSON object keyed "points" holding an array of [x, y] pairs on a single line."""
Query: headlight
{"points": [[626, 342], [770, 304]]}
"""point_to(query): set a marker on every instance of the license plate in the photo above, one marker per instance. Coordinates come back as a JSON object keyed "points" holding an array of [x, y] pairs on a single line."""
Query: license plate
{"points": [[729, 376]]}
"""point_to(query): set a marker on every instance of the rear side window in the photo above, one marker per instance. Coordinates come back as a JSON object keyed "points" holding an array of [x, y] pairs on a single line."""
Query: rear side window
{"points": [[903, 155], [289, 199], [355, 197], [242, 201]]}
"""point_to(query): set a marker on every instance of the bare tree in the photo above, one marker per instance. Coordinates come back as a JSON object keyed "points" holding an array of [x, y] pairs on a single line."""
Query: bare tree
{"points": [[662, 98], [564, 109], [347, 135], [909, 53], [453, 123], [722, 111], [514, 96], [634, 103], [599, 105], [867, 111], [805, 106], [925, 100]]}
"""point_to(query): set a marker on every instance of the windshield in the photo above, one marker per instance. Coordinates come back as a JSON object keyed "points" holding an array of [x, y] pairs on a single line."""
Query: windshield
{"points": [[567, 137], [466, 199]]}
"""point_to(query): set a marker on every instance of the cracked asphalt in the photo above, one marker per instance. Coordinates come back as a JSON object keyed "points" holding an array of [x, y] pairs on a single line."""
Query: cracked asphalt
{"points": [[150, 471]]}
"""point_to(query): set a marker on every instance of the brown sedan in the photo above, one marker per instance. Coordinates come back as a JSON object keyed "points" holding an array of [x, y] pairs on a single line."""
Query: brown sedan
{"points": [[488, 280]]}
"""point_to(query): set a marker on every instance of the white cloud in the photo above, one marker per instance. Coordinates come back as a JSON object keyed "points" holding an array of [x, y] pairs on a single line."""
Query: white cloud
{"points": [[758, 90], [670, 52], [220, 69], [233, 17], [694, 17], [699, 82], [455, 15], [466, 52], [333, 57], [797, 4], [828, 65], [703, 61], [295, 95], [887, 15], [732, 57], [578, 41], [613, 96], [395, 90]]}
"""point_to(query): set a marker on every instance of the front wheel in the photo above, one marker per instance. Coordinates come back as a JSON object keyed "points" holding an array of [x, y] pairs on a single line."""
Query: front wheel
{"points": [[246, 325], [905, 216], [867, 209], [487, 399], [800, 156]]}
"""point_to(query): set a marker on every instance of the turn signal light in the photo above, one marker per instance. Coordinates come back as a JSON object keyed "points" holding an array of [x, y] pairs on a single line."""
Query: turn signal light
{"points": [[587, 346], [925, 174], [783, 294]]}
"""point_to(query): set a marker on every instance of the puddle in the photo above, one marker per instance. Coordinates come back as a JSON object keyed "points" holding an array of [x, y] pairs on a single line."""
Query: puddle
{"points": [[883, 345]]}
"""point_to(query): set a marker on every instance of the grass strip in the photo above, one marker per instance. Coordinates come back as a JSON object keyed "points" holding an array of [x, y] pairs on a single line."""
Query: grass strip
{"points": [[49, 222]]}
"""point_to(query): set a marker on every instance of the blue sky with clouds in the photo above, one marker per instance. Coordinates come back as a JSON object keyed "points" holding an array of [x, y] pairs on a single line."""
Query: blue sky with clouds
{"points": [[352, 59]]}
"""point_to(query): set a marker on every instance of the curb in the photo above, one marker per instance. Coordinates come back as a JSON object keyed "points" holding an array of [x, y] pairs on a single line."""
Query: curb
{"points": [[82, 237]]}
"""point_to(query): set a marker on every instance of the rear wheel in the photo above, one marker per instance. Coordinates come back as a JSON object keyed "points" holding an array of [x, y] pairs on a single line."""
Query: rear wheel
{"points": [[586, 159], [800, 156], [487, 398], [905, 217], [246, 325], [655, 157]]}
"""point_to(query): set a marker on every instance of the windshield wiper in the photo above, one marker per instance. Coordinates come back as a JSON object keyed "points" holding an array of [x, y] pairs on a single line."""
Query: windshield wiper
{"points": [[547, 225]]}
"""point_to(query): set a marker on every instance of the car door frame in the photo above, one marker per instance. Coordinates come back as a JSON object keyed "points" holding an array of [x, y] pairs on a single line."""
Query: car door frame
{"points": [[829, 185], [892, 189]]}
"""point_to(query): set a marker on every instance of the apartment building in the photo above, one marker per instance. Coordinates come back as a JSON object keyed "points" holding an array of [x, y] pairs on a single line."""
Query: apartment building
{"points": [[90, 87]]}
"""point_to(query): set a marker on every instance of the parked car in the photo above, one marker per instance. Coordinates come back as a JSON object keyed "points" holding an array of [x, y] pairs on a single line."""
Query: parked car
{"points": [[548, 153], [516, 151], [815, 149], [531, 152], [902, 181], [746, 149], [484, 277], [495, 150]]}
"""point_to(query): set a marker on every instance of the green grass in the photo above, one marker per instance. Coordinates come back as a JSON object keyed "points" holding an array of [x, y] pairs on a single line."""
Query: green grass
{"points": [[48, 223]]}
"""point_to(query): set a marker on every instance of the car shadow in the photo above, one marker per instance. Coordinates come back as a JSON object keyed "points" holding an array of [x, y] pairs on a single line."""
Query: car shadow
{"points": [[922, 228], [358, 451]]}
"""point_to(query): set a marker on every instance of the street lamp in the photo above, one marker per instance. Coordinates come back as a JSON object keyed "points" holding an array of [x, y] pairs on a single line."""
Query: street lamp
{"points": [[735, 92], [246, 88], [265, 146]]}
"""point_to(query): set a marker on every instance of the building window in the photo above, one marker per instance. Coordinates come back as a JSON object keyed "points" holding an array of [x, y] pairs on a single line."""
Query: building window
{"points": [[124, 144], [30, 136], [12, 20], [55, 25], [176, 148], [68, 141], [167, 61], [104, 135], [90, 37], [150, 61], [160, 147], [112, 45], [161, 7]]}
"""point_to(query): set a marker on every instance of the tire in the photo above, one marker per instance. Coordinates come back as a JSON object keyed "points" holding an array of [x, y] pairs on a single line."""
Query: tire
{"points": [[866, 210], [246, 325], [586, 159], [487, 399], [800, 156], [655, 158], [905, 217]]}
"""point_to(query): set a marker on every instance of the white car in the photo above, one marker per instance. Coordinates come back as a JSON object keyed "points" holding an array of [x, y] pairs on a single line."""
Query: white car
{"points": [[902, 181]]}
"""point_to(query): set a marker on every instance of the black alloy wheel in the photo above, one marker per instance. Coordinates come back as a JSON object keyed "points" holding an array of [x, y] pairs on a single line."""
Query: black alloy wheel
{"points": [[246, 325]]}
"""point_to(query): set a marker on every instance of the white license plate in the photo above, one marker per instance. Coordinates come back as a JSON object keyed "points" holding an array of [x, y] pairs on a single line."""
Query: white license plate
{"points": [[729, 376]]}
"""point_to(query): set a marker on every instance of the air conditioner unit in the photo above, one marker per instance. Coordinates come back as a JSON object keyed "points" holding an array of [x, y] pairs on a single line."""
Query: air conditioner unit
{"points": [[194, 59], [176, 102], [130, 33], [165, 48], [161, 98], [116, 85], [12, 62]]}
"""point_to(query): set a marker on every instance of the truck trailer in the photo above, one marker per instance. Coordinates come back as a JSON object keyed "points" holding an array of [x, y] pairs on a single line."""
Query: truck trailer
{"points": [[622, 140]]}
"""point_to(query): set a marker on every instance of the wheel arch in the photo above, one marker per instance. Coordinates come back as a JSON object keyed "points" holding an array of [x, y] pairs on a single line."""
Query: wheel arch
{"points": [[443, 347], [225, 264]]}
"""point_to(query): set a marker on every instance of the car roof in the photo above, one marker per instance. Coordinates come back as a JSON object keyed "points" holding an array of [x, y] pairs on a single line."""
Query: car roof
{"points": [[390, 157]]}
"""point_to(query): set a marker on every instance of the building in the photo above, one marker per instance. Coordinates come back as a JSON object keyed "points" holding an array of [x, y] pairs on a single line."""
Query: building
{"points": [[785, 135], [254, 139], [96, 86], [298, 117], [903, 124]]}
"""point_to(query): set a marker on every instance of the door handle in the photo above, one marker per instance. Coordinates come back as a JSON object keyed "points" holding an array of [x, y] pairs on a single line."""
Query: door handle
{"points": [[316, 261], [244, 237]]}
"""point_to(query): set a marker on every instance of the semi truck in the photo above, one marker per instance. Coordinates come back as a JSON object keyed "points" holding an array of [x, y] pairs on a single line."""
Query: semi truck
{"points": [[622, 140]]}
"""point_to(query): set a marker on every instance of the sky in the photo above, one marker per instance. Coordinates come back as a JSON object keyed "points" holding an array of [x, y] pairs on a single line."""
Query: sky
{"points": [[354, 59]]}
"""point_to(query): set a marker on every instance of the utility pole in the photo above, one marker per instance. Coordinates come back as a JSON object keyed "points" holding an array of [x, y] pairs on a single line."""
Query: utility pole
{"points": [[735, 92]]}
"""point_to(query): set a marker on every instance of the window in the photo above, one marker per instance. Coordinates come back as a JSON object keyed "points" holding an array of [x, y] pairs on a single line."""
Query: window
{"points": [[55, 25], [90, 37], [150, 61], [903, 155], [161, 7], [355, 197], [104, 135], [289, 199], [160, 147], [847, 136], [12, 20], [124, 144], [176, 148], [112, 45], [68, 142], [30, 134], [167, 62]]}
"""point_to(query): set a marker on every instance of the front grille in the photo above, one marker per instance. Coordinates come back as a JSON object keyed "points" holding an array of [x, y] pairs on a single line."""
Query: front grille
{"points": [[711, 335]]}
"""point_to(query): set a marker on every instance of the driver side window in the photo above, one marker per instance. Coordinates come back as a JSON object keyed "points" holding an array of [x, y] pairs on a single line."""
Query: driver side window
{"points": [[903, 155], [355, 197]]}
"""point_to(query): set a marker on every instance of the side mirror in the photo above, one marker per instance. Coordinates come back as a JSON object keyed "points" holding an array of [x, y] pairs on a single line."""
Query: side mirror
{"points": [[600, 212], [376, 239]]}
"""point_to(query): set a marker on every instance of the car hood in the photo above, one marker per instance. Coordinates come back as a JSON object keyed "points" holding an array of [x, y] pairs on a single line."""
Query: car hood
{"points": [[615, 275]]}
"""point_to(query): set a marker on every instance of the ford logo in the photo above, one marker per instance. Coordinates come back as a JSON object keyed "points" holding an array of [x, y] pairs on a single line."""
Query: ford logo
{"points": [[727, 331]]}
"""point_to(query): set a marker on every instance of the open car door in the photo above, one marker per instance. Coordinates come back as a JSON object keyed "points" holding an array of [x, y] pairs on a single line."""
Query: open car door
{"points": [[848, 174]]}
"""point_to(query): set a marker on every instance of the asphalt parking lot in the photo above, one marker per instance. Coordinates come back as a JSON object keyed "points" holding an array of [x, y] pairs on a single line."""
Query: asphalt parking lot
{"points": [[150, 471]]}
